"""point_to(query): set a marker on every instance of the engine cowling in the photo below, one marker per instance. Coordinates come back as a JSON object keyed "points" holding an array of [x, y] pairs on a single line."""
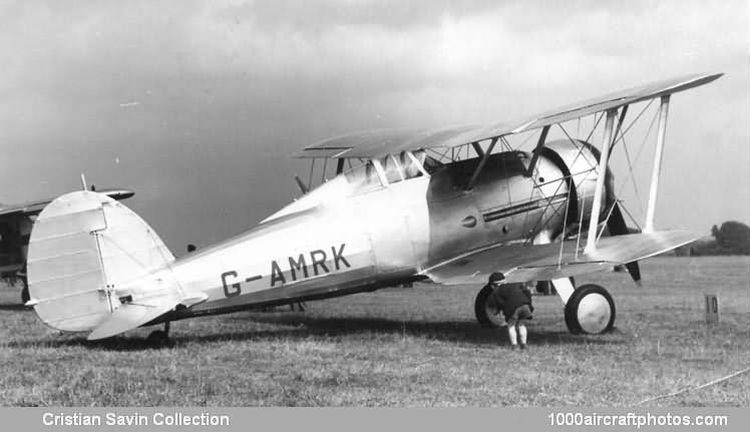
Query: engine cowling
{"points": [[578, 160]]}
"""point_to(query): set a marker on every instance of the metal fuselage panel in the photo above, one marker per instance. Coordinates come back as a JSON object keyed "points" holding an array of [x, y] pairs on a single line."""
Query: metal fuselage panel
{"points": [[504, 206], [368, 239], [339, 239]]}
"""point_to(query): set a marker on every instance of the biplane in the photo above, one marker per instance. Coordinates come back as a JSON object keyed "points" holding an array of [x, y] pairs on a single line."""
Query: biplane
{"points": [[395, 206], [15, 228]]}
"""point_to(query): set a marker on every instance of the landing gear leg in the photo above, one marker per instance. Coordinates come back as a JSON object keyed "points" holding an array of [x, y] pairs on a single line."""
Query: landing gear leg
{"points": [[160, 337]]}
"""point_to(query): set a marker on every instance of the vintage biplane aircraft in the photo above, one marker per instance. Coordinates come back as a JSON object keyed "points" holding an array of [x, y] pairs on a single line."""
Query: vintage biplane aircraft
{"points": [[15, 227], [400, 207]]}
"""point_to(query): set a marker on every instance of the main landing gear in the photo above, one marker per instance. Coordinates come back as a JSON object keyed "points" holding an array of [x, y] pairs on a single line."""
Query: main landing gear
{"points": [[589, 309], [160, 337], [488, 309]]}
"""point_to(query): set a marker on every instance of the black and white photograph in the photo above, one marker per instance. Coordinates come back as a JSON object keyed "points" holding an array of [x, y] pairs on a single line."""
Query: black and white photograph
{"points": [[374, 203]]}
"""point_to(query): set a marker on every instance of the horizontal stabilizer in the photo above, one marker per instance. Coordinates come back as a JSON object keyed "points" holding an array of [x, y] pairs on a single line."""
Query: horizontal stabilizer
{"points": [[522, 263], [130, 316]]}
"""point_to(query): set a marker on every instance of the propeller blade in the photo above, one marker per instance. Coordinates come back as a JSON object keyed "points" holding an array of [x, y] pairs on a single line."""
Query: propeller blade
{"points": [[617, 226]]}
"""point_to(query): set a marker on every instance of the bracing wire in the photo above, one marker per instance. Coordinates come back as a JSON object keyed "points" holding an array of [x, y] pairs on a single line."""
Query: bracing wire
{"points": [[632, 218], [631, 170], [525, 140], [632, 123], [580, 148], [606, 219]]}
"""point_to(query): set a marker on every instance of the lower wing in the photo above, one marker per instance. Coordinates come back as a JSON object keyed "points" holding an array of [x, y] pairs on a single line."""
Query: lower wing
{"points": [[522, 263]]}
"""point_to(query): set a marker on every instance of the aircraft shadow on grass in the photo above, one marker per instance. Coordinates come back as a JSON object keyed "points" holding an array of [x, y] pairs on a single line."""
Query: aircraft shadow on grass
{"points": [[467, 332], [296, 327], [12, 307]]}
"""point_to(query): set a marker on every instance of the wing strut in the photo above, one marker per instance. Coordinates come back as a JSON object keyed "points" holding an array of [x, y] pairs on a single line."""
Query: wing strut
{"points": [[663, 111], [478, 149], [481, 163], [598, 192], [537, 150], [340, 166], [619, 127]]}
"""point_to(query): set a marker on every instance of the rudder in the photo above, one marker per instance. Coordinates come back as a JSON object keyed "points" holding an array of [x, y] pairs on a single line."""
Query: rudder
{"points": [[83, 247]]}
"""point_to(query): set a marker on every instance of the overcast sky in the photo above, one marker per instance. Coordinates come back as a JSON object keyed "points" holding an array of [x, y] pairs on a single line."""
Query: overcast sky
{"points": [[197, 105]]}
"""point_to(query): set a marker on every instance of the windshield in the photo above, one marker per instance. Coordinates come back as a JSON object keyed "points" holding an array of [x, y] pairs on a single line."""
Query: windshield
{"points": [[376, 173], [429, 163], [364, 177], [392, 169]]}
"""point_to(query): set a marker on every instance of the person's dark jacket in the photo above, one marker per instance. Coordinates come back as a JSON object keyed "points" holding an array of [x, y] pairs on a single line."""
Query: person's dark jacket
{"points": [[513, 295]]}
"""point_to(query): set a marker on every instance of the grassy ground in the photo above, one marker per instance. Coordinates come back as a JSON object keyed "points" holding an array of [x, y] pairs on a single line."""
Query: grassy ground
{"points": [[406, 347]]}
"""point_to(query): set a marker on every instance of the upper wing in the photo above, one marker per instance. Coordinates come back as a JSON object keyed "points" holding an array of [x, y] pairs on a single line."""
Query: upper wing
{"points": [[34, 207], [378, 143], [522, 263]]}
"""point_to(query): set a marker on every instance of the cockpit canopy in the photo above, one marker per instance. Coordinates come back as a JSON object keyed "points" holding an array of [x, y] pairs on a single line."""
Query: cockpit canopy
{"points": [[363, 176], [392, 169]]}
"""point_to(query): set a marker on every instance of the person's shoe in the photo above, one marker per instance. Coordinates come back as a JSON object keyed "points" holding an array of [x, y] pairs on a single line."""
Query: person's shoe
{"points": [[523, 346], [514, 347]]}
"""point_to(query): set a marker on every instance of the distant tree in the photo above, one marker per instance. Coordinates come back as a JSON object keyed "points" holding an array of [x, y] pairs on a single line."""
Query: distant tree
{"points": [[715, 232], [732, 238]]}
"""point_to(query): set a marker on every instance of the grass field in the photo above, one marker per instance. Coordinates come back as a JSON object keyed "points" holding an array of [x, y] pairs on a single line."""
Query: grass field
{"points": [[406, 347]]}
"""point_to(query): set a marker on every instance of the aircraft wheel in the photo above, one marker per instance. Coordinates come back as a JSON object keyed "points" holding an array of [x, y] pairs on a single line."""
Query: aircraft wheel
{"points": [[590, 310], [487, 309]]}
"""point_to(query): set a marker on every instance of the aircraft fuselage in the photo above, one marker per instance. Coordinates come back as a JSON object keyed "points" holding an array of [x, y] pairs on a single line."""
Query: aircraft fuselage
{"points": [[339, 239]]}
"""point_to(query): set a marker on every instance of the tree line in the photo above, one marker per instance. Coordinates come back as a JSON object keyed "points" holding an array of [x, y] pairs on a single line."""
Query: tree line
{"points": [[731, 238]]}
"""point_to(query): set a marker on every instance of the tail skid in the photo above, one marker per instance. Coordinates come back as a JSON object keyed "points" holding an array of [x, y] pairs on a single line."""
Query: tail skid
{"points": [[93, 264]]}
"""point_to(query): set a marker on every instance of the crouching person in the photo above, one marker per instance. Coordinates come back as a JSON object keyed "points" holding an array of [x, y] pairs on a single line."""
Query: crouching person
{"points": [[517, 308]]}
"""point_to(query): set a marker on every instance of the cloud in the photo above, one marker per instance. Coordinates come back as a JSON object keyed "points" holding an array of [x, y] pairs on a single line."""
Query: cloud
{"points": [[227, 89]]}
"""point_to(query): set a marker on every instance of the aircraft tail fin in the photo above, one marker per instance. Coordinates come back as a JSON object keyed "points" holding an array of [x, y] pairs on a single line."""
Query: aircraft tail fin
{"points": [[92, 261]]}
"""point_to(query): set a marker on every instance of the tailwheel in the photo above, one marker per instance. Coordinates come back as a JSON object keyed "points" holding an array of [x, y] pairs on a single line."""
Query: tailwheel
{"points": [[590, 310], [25, 297], [488, 309], [297, 306]]}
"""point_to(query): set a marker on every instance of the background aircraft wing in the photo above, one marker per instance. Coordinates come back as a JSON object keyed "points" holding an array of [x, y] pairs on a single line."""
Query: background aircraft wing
{"points": [[522, 263], [34, 207], [29, 208], [378, 143]]}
